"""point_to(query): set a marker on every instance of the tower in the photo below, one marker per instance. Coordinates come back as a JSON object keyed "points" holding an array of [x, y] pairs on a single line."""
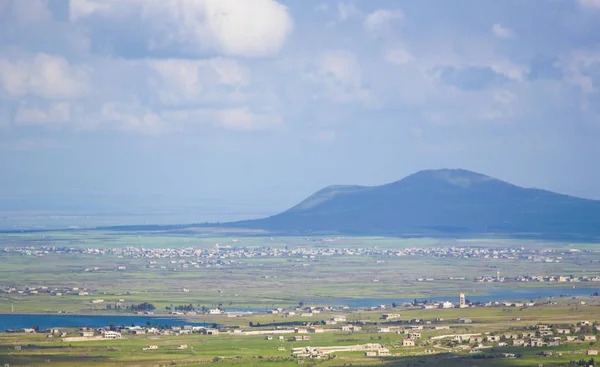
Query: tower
{"points": [[461, 300], [498, 276]]}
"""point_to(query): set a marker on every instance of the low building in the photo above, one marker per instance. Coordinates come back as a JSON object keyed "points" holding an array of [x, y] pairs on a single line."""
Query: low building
{"points": [[112, 335], [408, 343]]}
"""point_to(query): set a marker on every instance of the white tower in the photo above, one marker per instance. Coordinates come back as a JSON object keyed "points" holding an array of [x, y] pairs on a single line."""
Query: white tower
{"points": [[461, 301]]}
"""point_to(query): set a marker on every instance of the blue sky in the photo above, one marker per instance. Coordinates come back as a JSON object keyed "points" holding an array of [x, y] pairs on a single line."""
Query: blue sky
{"points": [[269, 101]]}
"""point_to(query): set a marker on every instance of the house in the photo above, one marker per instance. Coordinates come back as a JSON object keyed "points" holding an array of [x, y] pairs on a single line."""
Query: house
{"points": [[493, 338], [301, 338], [554, 343], [571, 338], [214, 311], [384, 352], [316, 330], [414, 335], [408, 343], [563, 331], [384, 330], [370, 354], [87, 333], [589, 338], [536, 343], [519, 342], [465, 321], [476, 339], [269, 337], [447, 304], [112, 335], [150, 347], [592, 352]]}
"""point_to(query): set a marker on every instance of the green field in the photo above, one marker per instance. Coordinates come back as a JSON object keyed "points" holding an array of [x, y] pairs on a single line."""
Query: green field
{"points": [[313, 269]]}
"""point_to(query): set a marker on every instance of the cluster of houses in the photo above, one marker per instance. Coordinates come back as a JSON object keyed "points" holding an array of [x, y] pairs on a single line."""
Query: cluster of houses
{"points": [[219, 255], [538, 278], [54, 291], [540, 336]]}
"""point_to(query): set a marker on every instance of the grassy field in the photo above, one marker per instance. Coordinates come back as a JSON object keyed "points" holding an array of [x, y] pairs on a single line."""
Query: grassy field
{"points": [[258, 281], [266, 282], [256, 350]]}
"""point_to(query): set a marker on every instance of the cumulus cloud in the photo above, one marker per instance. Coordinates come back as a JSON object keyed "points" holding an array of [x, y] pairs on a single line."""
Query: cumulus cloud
{"points": [[183, 81], [340, 73], [129, 118], [59, 112], [43, 75], [398, 56], [243, 119], [381, 20], [502, 32], [347, 10], [240, 28]]}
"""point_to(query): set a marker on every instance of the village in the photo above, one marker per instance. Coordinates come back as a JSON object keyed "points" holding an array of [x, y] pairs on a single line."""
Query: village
{"points": [[222, 254], [412, 336]]}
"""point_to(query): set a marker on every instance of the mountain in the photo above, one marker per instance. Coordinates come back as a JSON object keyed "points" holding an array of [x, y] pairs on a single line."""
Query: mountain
{"points": [[438, 201]]}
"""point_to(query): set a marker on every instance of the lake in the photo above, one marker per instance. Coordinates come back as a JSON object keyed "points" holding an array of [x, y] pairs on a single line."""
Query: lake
{"points": [[491, 295], [19, 321]]}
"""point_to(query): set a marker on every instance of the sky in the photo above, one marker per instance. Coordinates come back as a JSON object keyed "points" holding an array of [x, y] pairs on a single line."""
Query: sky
{"points": [[260, 103]]}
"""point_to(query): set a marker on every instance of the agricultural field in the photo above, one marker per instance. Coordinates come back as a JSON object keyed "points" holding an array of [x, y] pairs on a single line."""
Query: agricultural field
{"points": [[193, 267], [230, 348]]}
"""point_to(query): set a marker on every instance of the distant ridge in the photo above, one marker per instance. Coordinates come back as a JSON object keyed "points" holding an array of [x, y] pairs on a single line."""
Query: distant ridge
{"points": [[437, 201]]}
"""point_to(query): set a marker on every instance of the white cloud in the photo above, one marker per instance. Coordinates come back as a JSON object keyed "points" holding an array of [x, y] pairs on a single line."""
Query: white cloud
{"points": [[242, 119], [595, 4], [184, 81], [347, 10], [341, 74], [241, 28], [230, 72], [129, 118], [502, 32], [43, 75], [36, 115], [398, 56], [509, 69], [179, 80], [381, 20]]}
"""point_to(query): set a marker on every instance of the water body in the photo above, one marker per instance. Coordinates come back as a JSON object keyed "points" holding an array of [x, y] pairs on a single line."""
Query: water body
{"points": [[18, 321], [497, 294]]}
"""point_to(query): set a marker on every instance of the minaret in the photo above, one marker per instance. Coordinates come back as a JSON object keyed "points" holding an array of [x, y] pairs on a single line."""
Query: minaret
{"points": [[461, 300]]}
